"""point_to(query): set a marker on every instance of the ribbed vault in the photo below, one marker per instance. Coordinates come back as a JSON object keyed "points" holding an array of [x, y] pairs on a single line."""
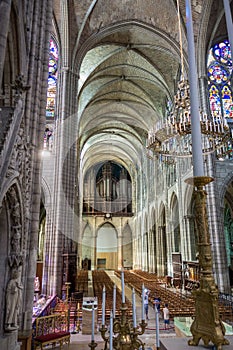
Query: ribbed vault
{"points": [[125, 82]]}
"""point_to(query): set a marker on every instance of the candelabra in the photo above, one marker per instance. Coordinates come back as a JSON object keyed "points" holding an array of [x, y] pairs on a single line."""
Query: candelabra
{"points": [[207, 324], [177, 127], [123, 335]]}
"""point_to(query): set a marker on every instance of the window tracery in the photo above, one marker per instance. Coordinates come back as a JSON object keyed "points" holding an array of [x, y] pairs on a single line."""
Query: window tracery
{"points": [[219, 72]]}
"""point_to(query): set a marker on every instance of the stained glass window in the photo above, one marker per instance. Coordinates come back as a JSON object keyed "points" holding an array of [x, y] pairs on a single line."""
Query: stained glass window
{"points": [[219, 76], [51, 94], [52, 80]]}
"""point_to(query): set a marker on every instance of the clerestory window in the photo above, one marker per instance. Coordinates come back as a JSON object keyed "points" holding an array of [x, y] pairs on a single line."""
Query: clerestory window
{"points": [[219, 69]]}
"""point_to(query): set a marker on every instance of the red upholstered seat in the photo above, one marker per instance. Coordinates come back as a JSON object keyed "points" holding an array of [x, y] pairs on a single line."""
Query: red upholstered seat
{"points": [[52, 336]]}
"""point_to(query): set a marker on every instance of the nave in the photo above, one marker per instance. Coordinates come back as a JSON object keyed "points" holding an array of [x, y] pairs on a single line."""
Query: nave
{"points": [[98, 160]]}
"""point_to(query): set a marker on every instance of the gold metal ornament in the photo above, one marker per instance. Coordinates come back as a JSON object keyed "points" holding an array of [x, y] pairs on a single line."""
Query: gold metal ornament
{"points": [[125, 336], [207, 324]]}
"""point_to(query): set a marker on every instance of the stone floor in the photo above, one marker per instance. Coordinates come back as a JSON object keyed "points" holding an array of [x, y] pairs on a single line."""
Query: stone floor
{"points": [[181, 344]]}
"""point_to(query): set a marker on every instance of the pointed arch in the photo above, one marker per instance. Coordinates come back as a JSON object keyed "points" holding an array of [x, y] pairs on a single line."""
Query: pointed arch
{"points": [[174, 207], [87, 242], [107, 246], [162, 242], [145, 245]]}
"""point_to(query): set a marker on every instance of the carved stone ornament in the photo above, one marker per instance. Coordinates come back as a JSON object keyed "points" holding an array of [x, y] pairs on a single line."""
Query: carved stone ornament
{"points": [[19, 86], [18, 154], [15, 258]]}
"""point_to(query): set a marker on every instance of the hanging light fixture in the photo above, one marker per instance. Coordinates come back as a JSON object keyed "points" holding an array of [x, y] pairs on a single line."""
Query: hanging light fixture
{"points": [[172, 136]]}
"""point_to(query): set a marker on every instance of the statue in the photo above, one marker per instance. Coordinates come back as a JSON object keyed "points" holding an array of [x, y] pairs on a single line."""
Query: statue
{"points": [[16, 256], [13, 301], [36, 284], [186, 272]]}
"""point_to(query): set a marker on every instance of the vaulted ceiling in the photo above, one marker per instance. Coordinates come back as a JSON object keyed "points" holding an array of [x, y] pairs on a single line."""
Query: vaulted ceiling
{"points": [[124, 86], [129, 61]]}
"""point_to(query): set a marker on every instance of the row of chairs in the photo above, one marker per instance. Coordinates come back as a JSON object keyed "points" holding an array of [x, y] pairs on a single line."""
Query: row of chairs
{"points": [[82, 282], [178, 304], [147, 276], [100, 279]]}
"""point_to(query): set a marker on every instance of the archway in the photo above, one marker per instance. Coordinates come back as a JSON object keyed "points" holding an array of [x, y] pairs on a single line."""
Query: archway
{"points": [[161, 245], [175, 224], [87, 248], [106, 247]]}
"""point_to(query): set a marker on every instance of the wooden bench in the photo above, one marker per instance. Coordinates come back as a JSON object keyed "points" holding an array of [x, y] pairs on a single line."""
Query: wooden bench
{"points": [[52, 329]]}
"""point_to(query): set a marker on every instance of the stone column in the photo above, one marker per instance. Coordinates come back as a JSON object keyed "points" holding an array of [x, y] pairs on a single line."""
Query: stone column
{"points": [[135, 251], [216, 229], [170, 248], [150, 251], [92, 192], [228, 16], [203, 85], [220, 269], [188, 241], [34, 122], [120, 257], [139, 246], [65, 153], [154, 249], [198, 169], [93, 251], [94, 247], [160, 253], [120, 247]]}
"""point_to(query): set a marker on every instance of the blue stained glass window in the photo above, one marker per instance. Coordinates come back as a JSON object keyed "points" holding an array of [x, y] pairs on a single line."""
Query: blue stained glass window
{"points": [[219, 72], [52, 79], [53, 49], [215, 101], [222, 53]]}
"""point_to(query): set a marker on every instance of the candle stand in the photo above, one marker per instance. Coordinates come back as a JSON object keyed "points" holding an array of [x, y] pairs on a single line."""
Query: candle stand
{"points": [[125, 336], [92, 345], [207, 324], [67, 284]]}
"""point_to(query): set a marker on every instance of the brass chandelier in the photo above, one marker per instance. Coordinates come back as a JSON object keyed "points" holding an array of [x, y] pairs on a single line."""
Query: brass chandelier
{"points": [[172, 136]]}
